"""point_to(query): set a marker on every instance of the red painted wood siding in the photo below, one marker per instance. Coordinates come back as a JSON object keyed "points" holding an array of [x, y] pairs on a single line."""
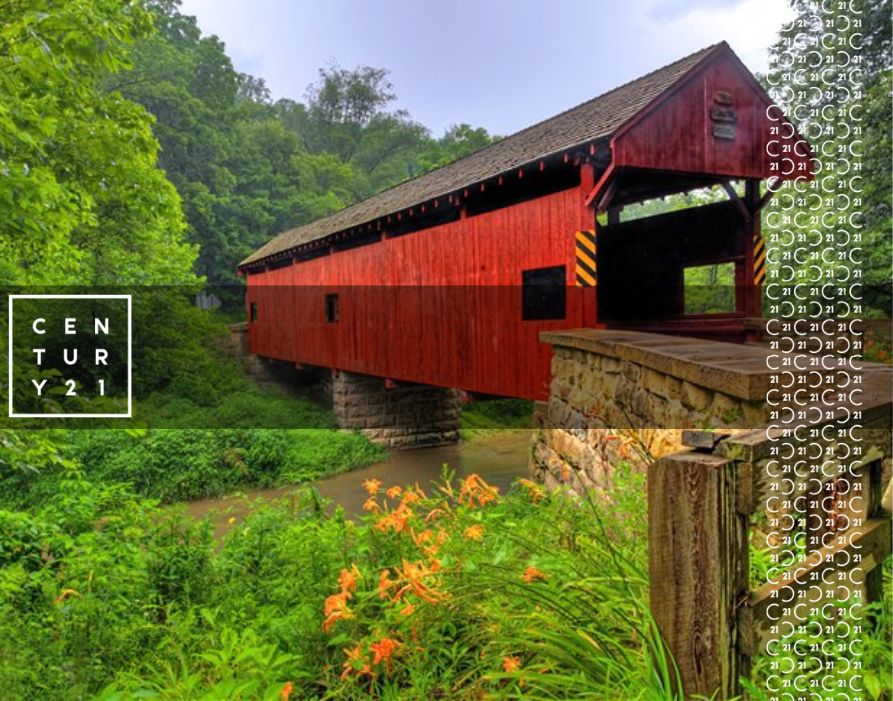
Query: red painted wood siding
{"points": [[676, 134], [440, 306]]}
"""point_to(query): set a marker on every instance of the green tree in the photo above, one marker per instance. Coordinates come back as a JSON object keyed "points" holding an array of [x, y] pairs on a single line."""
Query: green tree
{"points": [[81, 198], [458, 141], [866, 38], [248, 168]]}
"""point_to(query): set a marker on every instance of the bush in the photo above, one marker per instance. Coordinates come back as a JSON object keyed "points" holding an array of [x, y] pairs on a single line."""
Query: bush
{"points": [[184, 464]]}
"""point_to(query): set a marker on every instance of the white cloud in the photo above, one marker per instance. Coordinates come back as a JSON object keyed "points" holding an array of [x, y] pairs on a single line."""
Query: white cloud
{"points": [[750, 26]]}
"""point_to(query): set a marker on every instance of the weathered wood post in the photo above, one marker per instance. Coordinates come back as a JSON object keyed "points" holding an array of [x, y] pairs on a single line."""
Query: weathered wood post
{"points": [[698, 567]]}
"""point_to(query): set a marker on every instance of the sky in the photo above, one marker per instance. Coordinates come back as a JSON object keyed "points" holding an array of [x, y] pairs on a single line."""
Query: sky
{"points": [[500, 64]]}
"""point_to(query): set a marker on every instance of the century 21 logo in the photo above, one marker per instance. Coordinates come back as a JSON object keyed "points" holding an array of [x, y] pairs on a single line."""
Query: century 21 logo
{"points": [[70, 356]]}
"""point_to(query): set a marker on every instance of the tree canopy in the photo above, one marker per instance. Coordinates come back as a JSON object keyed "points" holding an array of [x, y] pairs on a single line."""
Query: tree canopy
{"points": [[81, 198], [866, 50], [248, 168]]}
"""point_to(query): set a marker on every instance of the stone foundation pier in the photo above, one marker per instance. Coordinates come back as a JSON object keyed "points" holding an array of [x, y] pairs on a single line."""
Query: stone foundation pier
{"points": [[396, 415]]}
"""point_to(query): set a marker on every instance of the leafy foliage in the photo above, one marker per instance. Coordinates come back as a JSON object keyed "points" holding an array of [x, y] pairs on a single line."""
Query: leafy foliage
{"points": [[81, 199], [808, 95], [248, 169]]}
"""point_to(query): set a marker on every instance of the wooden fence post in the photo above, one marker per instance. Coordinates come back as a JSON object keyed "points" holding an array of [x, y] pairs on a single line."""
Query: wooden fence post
{"points": [[698, 567]]}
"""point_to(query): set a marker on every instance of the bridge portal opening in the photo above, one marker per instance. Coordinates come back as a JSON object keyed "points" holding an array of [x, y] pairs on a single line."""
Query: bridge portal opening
{"points": [[683, 272]]}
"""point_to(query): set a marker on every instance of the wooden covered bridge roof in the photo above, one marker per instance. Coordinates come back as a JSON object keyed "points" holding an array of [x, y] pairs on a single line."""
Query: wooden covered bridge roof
{"points": [[596, 119]]}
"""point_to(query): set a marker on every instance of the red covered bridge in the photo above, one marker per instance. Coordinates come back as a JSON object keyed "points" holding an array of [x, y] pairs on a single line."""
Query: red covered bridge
{"points": [[448, 279]]}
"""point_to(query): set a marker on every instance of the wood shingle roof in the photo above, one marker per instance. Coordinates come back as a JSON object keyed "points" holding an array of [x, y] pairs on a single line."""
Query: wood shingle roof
{"points": [[596, 119]]}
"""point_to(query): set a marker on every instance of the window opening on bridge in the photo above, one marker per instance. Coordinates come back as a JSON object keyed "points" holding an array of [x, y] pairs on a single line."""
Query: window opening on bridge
{"points": [[332, 310], [543, 293], [710, 289], [253, 312]]}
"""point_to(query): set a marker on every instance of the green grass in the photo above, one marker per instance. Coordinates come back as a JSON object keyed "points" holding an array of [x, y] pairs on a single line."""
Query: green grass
{"points": [[482, 417]]}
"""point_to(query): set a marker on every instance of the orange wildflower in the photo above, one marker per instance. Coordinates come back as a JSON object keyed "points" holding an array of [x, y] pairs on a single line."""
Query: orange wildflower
{"points": [[511, 663], [347, 580], [532, 574], [413, 496], [385, 584], [423, 537], [396, 520], [372, 486], [394, 491], [371, 505], [383, 651], [433, 514], [534, 491], [407, 610], [414, 575], [354, 655], [336, 609], [475, 532], [474, 489], [286, 691]]}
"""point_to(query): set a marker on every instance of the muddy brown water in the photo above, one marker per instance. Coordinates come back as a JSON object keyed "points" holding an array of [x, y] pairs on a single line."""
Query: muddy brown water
{"points": [[499, 457]]}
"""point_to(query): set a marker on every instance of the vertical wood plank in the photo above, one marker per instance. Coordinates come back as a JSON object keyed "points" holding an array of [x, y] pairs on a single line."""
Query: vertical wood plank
{"points": [[698, 568]]}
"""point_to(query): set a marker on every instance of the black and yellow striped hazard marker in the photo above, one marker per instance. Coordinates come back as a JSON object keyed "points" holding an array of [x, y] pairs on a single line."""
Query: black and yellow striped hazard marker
{"points": [[587, 271], [759, 260]]}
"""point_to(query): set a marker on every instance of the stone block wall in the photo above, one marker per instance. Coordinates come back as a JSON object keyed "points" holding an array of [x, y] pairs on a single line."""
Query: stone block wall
{"points": [[626, 396], [402, 416]]}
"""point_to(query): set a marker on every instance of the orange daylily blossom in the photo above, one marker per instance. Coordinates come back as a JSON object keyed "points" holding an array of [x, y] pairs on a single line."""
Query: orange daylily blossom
{"points": [[532, 574], [413, 496], [383, 651], [371, 505], [286, 691], [394, 492], [475, 532], [385, 584], [421, 540], [474, 489], [534, 491], [511, 663], [354, 654], [336, 609], [372, 486], [396, 520], [434, 514], [414, 574], [347, 580], [424, 537]]}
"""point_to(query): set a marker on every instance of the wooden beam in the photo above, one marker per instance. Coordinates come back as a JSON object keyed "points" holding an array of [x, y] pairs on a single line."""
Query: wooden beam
{"points": [[698, 569], [734, 197], [598, 186], [604, 202], [764, 200]]}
